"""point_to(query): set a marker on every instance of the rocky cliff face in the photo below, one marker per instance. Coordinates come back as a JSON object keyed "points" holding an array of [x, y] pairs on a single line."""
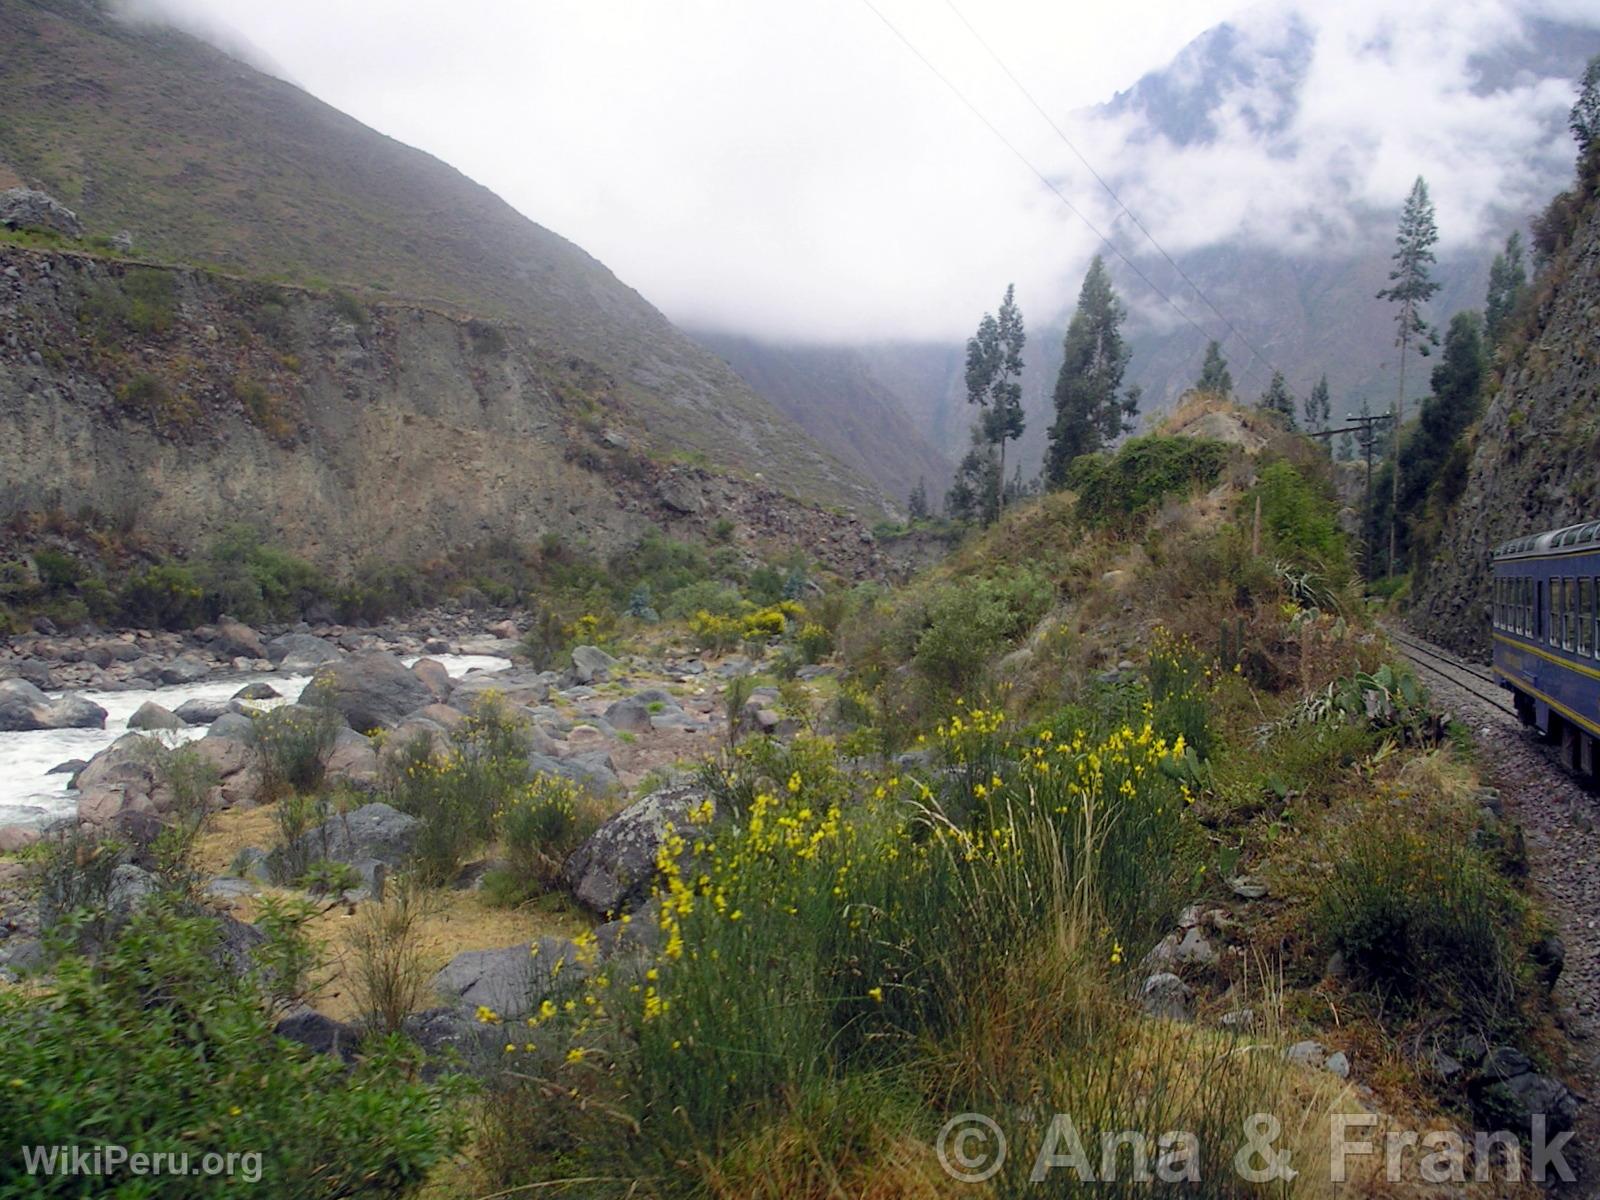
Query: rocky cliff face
{"points": [[1535, 461], [179, 401]]}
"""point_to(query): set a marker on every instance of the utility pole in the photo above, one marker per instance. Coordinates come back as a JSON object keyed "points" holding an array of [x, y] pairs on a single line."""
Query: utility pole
{"points": [[1366, 438]]}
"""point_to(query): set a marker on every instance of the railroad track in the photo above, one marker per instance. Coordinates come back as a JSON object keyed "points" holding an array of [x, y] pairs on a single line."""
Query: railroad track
{"points": [[1469, 677]]}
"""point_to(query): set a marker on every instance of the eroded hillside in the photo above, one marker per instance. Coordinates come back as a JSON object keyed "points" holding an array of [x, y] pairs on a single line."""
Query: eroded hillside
{"points": [[179, 401]]}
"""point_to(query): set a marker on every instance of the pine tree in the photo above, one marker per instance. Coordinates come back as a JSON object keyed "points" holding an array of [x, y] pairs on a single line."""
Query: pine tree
{"points": [[1584, 120], [1347, 446], [1278, 399], [1410, 286], [1319, 407], [975, 493], [1214, 376], [918, 501], [994, 368], [1090, 412], [1508, 284]]}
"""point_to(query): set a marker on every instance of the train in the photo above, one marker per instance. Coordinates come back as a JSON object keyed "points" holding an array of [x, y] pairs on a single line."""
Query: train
{"points": [[1546, 617]]}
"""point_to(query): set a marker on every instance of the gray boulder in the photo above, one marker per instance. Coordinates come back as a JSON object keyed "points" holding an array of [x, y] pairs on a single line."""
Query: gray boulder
{"points": [[185, 669], [593, 771], [319, 1033], [1165, 995], [231, 725], [353, 761], [434, 677], [372, 690], [512, 980], [297, 652], [200, 712], [590, 664], [25, 208], [373, 832], [151, 715], [517, 687], [635, 714], [614, 871], [258, 690], [23, 708], [235, 639], [1513, 1103]]}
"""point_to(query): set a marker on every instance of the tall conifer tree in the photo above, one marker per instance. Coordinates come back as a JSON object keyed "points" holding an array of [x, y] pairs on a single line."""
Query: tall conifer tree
{"points": [[1091, 409]]}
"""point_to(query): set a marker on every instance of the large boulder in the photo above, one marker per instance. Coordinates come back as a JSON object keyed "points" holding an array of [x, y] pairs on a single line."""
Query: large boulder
{"points": [[235, 639], [299, 652], [591, 664], [25, 208], [151, 715], [434, 677], [634, 713], [125, 774], [371, 833], [518, 687], [23, 707], [353, 761], [372, 690], [593, 771], [510, 981], [200, 712], [185, 669], [614, 871]]}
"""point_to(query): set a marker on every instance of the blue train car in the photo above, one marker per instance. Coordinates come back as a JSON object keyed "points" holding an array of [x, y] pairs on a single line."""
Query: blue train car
{"points": [[1547, 636]]}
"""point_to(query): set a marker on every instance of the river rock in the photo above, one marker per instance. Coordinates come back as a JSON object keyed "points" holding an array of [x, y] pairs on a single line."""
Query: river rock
{"points": [[150, 716], [434, 677], [593, 771], [370, 690], [200, 712], [259, 690], [613, 871], [520, 686], [16, 837], [185, 669], [590, 664], [298, 652], [234, 639], [23, 707], [232, 725]]}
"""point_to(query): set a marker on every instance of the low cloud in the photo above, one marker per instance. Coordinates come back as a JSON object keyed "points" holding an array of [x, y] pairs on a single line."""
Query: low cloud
{"points": [[793, 172]]}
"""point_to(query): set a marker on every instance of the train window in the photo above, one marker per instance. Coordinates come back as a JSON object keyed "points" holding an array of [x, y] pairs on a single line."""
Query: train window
{"points": [[1552, 608], [1498, 610], [1569, 615], [1585, 617]]}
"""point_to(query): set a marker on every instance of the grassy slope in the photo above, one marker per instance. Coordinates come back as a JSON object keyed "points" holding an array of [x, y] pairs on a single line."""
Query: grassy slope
{"points": [[209, 161]]}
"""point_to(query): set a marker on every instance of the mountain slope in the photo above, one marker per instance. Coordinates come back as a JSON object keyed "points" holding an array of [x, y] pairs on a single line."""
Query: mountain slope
{"points": [[1534, 451], [1308, 312], [830, 392], [206, 160]]}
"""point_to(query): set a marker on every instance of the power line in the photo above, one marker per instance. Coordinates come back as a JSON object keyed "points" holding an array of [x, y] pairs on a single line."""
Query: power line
{"points": [[1027, 162], [1110, 191]]}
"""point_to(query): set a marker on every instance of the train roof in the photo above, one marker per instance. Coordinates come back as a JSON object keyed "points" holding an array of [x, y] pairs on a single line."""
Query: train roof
{"points": [[1569, 539]]}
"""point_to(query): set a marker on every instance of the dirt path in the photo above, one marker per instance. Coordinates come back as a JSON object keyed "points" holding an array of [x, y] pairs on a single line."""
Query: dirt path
{"points": [[1561, 823]]}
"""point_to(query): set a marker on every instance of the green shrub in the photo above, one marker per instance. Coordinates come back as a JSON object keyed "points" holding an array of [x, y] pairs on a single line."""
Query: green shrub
{"points": [[326, 876], [966, 622], [486, 338], [1422, 919], [292, 745], [1299, 521], [706, 595], [197, 1070], [538, 829], [1141, 474], [456, 793], [149, 396], [166, 596]]}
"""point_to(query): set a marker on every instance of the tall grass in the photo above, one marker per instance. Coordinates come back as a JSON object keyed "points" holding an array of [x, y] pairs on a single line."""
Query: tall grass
{"points": [[926, 947]]}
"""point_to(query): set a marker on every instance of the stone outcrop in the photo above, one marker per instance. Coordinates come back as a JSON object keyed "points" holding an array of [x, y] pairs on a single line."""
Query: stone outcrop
{"points": [[26, 208]]}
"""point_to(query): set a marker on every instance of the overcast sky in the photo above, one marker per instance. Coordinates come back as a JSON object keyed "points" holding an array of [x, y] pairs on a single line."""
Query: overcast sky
{"points": [[792, 170]]}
